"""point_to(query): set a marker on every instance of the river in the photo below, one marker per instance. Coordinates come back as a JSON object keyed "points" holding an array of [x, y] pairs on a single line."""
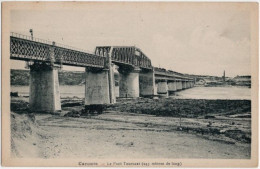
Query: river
{"points": [[232, 93]]}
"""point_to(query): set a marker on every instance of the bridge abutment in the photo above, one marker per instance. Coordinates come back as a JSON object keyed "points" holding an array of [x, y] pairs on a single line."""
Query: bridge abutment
{"points": [[128, 82], [44, 88]]}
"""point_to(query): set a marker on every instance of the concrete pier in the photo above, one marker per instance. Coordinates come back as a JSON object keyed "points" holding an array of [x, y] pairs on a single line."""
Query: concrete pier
{"points": [[128, 82], [172, 86], [184, 85], [179, 85], [162, 88], [97, 91], [147, 83], [44, 88]]}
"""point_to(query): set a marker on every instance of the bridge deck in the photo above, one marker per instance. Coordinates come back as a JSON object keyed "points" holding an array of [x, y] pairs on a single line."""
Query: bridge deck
{"points": [[33, 49]]}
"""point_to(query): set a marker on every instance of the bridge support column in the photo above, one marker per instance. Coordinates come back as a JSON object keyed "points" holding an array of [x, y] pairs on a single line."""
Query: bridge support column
{"points": [[179, 85], [183, 85], [147, 83], [172, 87], [162, 88], [44, 88], [97, 88], [128, 82]]}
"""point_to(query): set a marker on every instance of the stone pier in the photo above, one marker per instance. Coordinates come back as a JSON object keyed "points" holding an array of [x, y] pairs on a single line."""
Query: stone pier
{"points": [[97, 87], [172, 86], [184, 85], [189, 82], [179, 85], [128, 81], [162, 88], [147, 83], [44, 88]]}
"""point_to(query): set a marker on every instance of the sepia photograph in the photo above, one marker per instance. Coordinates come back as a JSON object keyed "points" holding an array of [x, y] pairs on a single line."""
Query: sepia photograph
{"points": [[130, 84]]}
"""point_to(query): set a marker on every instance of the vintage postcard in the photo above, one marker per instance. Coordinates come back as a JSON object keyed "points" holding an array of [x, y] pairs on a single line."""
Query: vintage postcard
{"points": [[130, 84]]}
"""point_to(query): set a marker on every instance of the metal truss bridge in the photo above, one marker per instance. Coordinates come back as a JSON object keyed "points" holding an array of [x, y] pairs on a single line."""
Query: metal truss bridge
{"points": [[28, 48]]}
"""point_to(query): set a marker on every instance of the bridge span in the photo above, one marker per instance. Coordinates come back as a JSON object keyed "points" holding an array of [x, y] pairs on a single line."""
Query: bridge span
{"points": [[137, 76]]}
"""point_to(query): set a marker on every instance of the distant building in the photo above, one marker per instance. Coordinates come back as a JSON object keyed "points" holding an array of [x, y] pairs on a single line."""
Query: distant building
{"points": [[242, 80], [200, 82]]}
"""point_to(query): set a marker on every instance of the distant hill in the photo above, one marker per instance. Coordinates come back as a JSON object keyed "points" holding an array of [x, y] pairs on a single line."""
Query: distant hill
{"points": [[21, 77]]}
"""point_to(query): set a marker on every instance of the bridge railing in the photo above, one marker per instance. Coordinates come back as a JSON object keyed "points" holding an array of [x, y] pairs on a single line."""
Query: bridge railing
{"points": [[26, 37], [170, 73]]}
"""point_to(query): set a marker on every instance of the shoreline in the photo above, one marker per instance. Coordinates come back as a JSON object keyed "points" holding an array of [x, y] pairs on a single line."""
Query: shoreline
{"points": [[228, 123]]}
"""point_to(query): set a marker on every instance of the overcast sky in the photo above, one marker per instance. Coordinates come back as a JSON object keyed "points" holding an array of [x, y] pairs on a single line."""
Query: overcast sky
{"points": [[197, 40]]}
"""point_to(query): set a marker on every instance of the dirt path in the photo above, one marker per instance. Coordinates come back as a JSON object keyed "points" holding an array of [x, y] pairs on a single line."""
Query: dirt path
{"points": [[124, 135]]}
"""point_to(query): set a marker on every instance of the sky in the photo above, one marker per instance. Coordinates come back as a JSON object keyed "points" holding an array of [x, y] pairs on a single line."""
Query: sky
{"points": [[199, 39]]}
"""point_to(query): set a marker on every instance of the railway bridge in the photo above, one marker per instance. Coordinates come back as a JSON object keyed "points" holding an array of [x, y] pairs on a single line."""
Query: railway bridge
{"points": [[137, 76]]}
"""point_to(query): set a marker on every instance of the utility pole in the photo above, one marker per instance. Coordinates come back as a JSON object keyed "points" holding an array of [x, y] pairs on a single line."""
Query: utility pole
{"points": [[27, 63], [31, 31], [224, 77]]}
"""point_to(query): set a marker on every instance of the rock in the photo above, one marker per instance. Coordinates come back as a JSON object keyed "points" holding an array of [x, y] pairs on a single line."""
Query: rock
{"points": [[209, 117], [14, 94]]}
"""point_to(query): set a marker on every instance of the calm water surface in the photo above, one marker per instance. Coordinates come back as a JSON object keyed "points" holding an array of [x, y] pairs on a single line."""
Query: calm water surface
{"points": [[233, 93]]}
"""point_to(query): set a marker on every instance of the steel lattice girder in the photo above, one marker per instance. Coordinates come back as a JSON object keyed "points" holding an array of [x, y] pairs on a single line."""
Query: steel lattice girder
{"points": [[125, 55], [23, 49]]}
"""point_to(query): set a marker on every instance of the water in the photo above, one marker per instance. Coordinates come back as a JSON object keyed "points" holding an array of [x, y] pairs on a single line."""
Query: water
{"points": [[232, 93], [65, 91]]}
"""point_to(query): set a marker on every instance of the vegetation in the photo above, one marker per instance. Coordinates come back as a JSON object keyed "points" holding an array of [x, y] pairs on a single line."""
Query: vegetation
{"points": [[22, 77], [184, 107]]}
